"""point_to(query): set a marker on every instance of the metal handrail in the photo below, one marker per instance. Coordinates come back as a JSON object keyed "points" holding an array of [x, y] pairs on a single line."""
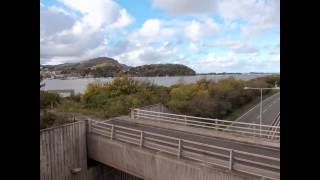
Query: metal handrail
{"points": [[192, 150], [216, 124], [184, 121], [208, 119]]}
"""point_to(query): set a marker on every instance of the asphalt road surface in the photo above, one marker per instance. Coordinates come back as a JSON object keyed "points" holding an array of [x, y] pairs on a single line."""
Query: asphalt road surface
{"points": [[220, 142], [270, 109], [267, 151]]}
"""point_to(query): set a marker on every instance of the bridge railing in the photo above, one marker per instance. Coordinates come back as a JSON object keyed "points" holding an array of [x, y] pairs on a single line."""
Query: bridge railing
{"points": [[255, 164], [215, 124], [276, 128]]}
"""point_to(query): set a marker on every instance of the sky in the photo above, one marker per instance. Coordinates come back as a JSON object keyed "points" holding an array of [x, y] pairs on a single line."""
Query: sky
{"points": [[206, 35]]}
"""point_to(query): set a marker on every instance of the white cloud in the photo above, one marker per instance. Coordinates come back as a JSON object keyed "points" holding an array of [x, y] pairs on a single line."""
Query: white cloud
{"points": [[96, 12], [193, 47], [233, 45], [260, 15], [185, 7], [141, 45], [195, 30], [192, 31], [153, 30], [231, 62], [273, 49], [254, 63], [140, 55], [53, 20], [211, 26], [124, 20], [228, 60], [64, 36], [244, 48], [215, 63], [83, 29], [275, 59]]}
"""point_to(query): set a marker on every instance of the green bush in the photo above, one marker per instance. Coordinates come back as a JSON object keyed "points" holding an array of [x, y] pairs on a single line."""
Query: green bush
{"points": [[49, 119], [204, 98], [47, 98], [117, 97], [74, 97]]}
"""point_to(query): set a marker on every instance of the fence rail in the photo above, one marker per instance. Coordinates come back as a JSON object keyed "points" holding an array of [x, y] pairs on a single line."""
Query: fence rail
{"points": [[276, 127], [264, 131], [255, 164]]}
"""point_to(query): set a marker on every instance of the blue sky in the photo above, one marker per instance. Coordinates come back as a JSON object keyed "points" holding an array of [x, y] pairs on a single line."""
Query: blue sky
{"points": [[207, 35]]}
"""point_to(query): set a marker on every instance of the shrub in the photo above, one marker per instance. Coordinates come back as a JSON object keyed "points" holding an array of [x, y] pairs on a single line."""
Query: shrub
{"points": [[47, 98]]}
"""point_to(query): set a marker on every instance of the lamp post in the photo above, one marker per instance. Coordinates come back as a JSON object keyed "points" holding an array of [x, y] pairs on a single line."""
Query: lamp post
{"points": [[276, 88]]}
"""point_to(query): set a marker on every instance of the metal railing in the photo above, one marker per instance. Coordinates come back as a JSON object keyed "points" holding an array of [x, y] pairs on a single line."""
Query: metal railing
{"points": [[254, 164], [276, 128], [216, 124]]}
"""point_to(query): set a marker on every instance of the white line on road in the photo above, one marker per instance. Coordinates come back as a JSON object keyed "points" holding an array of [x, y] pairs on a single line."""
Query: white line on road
{"points": [[253, 108]]}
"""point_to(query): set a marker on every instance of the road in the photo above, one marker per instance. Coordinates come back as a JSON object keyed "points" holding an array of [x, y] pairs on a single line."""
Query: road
{"points": [[270, 109], [219, 142], [267, 151]]}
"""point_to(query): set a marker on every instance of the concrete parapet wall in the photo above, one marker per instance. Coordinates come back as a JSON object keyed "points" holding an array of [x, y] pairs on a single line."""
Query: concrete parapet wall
{"points": [[153, 165]]}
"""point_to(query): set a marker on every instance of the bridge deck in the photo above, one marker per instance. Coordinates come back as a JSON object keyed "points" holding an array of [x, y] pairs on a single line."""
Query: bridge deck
{"points": [[251, 148], [249, 158]]}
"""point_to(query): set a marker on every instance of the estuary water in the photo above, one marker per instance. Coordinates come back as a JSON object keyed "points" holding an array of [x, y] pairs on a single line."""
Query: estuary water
{"points": [[79, 85]]}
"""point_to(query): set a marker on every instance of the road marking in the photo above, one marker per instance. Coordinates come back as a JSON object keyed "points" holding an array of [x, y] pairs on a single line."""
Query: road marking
{"points": [[254, 107], [245, 113]]}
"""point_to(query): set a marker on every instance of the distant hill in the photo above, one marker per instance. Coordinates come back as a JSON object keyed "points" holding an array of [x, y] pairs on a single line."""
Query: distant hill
{"points": [[108, 67], [161, 70], [97, 67]]}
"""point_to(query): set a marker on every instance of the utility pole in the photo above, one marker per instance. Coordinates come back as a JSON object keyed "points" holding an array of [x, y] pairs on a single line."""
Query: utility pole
{"points": [[246, 88]]}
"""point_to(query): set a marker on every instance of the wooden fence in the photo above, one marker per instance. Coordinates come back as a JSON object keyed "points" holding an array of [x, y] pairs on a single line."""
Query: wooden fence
{"points": [[63, 153]]}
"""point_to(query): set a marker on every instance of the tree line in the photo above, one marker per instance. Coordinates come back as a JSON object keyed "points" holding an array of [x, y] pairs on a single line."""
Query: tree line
{"points": [[205, 98]]}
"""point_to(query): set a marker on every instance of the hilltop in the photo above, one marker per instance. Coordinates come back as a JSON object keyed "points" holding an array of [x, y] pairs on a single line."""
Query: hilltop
{"points": [[161, 70], [108, 67]]}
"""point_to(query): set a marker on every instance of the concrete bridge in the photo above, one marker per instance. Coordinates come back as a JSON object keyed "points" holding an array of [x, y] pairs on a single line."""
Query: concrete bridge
{"points": [[153, 143], [150, 146]]}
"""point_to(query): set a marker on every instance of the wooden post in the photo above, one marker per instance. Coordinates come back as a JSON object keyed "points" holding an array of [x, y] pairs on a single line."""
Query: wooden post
{"points": [[112, 132], [231, 159], [141, 138], [185, 120], [179, 148]]}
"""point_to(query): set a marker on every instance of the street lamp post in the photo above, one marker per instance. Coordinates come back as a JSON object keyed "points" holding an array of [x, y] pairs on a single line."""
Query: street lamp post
{"points": [[277, 88]]}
